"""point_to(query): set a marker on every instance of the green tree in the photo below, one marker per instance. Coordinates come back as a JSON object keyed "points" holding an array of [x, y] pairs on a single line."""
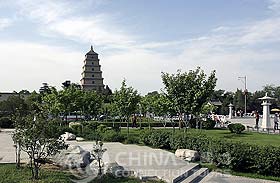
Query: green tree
{"points": [[52, 103], [34, 102], [126, 100], [92, 103], [188, 91], [71, 99], [208, 108], [239, 100], [12, 104], [38, 136]]}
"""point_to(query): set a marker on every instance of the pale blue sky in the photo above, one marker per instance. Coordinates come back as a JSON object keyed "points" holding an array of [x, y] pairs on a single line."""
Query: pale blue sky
{"points": [[45, 41]]}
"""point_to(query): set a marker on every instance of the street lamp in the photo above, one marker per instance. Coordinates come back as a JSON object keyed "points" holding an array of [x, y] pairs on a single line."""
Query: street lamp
{"points": [[244, 80], [140, 110]]}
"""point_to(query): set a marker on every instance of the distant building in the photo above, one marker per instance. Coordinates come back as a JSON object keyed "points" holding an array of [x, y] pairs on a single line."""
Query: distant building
{"points": [[216, 103], [92, 75]]}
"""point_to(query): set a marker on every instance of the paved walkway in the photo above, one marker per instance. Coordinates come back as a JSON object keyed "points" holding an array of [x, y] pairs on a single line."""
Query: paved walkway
{"points": [[215, 177], [7, 149]]}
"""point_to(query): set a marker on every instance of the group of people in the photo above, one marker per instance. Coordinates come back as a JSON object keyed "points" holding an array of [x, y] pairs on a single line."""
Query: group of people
{"points": [[239, 113], [276, 120]]}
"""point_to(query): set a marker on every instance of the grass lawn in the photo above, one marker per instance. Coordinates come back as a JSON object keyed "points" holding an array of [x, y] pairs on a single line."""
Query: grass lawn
{"points": [[10, 174], [246, 137]]}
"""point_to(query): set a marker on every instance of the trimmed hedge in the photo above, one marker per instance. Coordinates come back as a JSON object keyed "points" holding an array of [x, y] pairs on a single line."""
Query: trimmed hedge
{"points": [[156, 138], [237, 156], [93, 131]]}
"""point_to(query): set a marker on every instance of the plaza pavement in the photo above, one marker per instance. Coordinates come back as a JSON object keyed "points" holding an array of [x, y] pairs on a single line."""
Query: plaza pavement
{"points": [[7, 149], [215, 177]]}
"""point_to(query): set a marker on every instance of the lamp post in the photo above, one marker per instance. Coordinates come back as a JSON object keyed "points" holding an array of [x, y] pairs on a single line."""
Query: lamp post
{"points": [[140, 110], [244, 80]]}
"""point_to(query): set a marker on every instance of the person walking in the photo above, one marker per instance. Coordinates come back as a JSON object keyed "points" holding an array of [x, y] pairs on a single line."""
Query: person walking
{"points": [[257, 116], [276, 121], [134, 120]]}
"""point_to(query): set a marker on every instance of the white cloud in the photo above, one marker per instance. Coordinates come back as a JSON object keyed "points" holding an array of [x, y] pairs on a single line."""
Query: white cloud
{"points": [[66, 19], [44, 11], [5, 22], [91, 30], [231, 50], [27, 65]]}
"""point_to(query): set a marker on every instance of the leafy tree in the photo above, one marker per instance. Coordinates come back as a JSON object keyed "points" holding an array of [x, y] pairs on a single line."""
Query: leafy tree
{"points": [[239, 100], [25, 92], [71, 99], [147, 103], [52, 103], [91, 103], [38, 136], [45, 89], [188, 91], [12, 104], [208, 108], [34, 102], [126, 100]]}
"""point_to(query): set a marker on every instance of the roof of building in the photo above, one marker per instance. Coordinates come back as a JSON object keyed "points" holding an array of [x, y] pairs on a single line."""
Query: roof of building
{"points": [[215, 102], [91, 52]]}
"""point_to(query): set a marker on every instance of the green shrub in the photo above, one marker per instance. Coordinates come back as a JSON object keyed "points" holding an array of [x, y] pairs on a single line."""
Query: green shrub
{"points": [[145, 137], [112, 136], [208, 124], [236, 128], [77, 129], [6, 122], [132, 140], [101, 128], [91, 125], [116, 127], [156, 138]]}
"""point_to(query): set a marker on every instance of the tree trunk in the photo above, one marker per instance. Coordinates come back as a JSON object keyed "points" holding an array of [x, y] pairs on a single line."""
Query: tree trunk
{"points": [[18, 151], [140, 125], [127, 126], [99, 167], [180, 120], [36, 171], [31, 166]]}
